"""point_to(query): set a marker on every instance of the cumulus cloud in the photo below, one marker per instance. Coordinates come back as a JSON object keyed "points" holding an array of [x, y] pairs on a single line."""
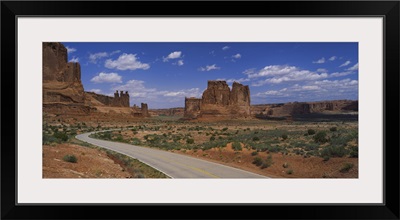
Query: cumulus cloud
{"points": [[277, 93], [337, 74], [95, 56], [107, 78], [179, 63], [70, 49], [237, 56], [126, 62], [74, 60], [322, 70], [173, 55], [209, 68], [332, 58], [317, 90], [322, 60], [345, 63], [250, 71], [225, 48], [278, 74], [353, 68]]}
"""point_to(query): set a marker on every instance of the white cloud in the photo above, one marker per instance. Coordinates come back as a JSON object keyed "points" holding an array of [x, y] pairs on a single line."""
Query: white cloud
{"points": [[126, 62], [180, 63], [332, 58], [95, 56], [345, 63], [249, 71], [237, 80], [277, 93], [277, 74], [273, 70], [225, 48], [322, 70], [194, 92], [312, 90], [209, 68], [322, 60], [70, 49], [98, 91], [115, 52], [353, 68], [337, 74], [74, 60], [237, 56], [173, 55], [107, 78]]}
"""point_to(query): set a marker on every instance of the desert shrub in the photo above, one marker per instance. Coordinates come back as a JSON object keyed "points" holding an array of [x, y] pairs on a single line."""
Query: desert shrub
{"points": [[258, 161], [48, 139], [224, 129], [334, 151], [346, 167], [212, 138], [254, 153], [256, 138], [310, 131], [236, 146], [267, 162], [70, 158], [320, 137], [274, 148], [190, 141], [284, 136], [333, 129], [354, 152], [289, 172], [62, 136], [342, 139]]}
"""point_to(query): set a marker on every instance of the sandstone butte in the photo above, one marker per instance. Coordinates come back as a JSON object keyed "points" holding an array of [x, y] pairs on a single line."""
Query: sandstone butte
{"points": [[63, 92], [219, 100]]}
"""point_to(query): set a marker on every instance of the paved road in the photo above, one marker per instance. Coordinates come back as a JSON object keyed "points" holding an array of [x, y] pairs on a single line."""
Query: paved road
{"points": [[172, 164]]}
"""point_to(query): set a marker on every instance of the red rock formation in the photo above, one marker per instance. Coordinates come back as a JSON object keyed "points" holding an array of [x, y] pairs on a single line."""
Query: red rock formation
{"points": [[144, 109], [219, 101], [61, 80], [192, 108]]}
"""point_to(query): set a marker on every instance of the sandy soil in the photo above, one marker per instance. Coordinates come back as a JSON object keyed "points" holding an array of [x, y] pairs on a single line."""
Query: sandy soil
{"points": [[91, 163]]}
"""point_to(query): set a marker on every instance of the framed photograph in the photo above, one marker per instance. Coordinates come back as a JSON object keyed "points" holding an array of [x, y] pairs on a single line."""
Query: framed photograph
{"points": [[283, 113]]}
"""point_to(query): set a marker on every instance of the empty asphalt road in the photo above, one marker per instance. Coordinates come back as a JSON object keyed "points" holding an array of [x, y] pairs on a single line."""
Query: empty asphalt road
{"points": [[173, 165]]}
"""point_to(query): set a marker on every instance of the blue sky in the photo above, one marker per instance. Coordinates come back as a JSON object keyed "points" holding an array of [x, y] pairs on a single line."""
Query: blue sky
{"points": [[163, 74]]}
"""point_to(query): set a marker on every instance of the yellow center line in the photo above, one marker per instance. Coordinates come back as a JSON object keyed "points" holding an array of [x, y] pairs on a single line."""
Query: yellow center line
{"points": [[191, 167]]}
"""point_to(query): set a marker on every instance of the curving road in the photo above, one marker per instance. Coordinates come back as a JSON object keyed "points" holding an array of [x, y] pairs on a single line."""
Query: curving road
{"points": [[173, 165]]}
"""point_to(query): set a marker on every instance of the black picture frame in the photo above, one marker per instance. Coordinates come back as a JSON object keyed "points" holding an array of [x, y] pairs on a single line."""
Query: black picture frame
{"points": [[11, 10]]}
